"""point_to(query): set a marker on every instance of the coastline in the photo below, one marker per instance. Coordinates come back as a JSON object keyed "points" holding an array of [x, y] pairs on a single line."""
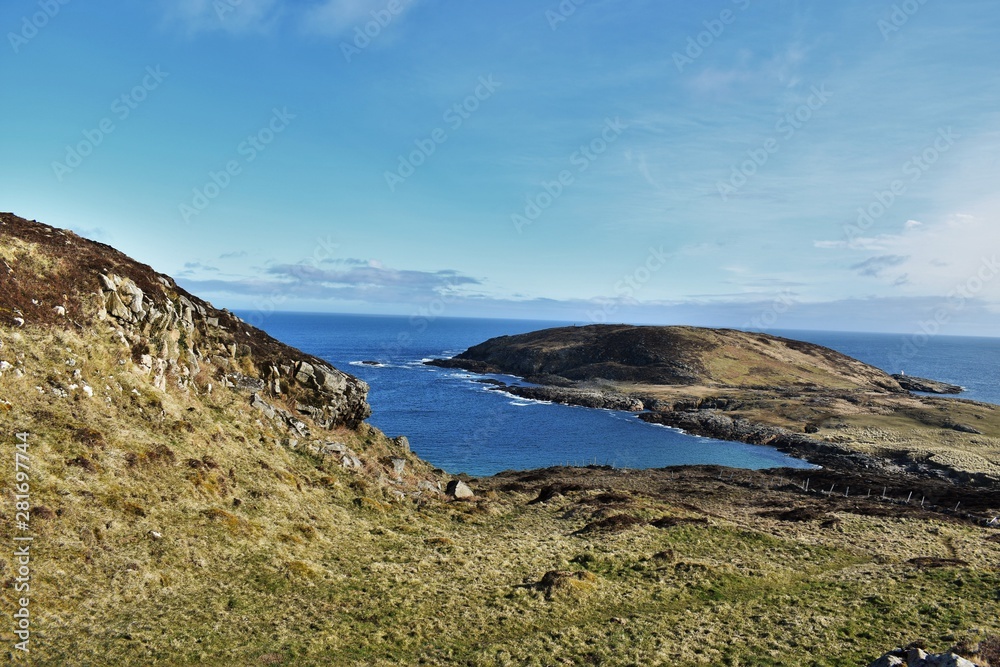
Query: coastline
{"points": [[707, 417]]}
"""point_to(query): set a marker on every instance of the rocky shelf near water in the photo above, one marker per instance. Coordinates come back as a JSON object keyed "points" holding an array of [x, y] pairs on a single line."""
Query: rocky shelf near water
{"points": [[911, 383]]}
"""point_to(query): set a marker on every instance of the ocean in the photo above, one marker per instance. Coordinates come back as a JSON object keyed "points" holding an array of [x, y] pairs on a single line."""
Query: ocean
{"points": [[458, 424]]}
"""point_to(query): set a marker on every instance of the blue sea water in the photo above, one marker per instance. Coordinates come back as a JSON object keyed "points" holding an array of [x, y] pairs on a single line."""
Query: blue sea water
{"points": [[460, 425]]}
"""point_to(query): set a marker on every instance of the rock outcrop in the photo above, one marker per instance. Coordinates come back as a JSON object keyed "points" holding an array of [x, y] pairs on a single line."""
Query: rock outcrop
{"points": [[911, 383], [582, 397], [174, 336], [915, 657]]}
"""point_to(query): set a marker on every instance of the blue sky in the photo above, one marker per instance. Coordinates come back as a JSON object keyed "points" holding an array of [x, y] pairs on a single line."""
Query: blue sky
{"points": [[734, 163]]}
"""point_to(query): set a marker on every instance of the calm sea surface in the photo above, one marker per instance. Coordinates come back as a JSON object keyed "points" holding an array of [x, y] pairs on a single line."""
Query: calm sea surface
{"points": [[456, 423]]}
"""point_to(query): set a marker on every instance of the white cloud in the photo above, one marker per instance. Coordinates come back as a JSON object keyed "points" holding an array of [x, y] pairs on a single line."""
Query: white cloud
{"points": [[937, 258]]}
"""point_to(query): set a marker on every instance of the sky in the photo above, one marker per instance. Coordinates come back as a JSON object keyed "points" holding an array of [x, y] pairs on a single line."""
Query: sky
{"points": [[763, 165]]}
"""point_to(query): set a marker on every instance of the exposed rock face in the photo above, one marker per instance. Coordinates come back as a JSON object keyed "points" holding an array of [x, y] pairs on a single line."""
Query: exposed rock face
{"points": [[174, 336], [670, 356], [911, 383]]}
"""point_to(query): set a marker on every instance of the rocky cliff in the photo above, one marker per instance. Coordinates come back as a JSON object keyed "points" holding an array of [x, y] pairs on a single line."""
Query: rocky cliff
{"points": [[53, 276]]}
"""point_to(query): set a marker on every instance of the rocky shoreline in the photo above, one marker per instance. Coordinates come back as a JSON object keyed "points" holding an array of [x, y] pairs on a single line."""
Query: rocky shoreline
{"points": [[911, 383]]}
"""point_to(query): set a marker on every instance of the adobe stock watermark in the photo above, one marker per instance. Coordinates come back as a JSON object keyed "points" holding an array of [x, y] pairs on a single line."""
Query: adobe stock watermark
{"points": [[22, 542], [773, 312], [121, 108], [365, 34], [454, 116], [581, 159], [562, 12], [266, 305], [224, 8], [714, 28], [785, 128], [246, 152], [912, 170], [630, 285], [899, 16], [33, 24], [956, 301]]}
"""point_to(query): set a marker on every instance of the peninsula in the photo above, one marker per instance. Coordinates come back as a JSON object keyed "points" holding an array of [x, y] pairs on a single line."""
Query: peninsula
{"points": [[804, 399]]}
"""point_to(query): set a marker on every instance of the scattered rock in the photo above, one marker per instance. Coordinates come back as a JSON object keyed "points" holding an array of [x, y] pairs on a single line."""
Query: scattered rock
{"points": [[424, 485], [398, 466], [257, 402], [459, 490], [889, 660], [402, 442], [916, 657], [334, 448], [351, 462]]}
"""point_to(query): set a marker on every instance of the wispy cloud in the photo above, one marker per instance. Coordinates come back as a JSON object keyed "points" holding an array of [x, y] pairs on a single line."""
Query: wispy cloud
{"points": [[371, 275], [353, 280], [875, 266], [195, 268]]}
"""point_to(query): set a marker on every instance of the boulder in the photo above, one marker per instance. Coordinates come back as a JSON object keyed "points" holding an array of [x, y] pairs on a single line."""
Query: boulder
{"points": [[459, 490]]}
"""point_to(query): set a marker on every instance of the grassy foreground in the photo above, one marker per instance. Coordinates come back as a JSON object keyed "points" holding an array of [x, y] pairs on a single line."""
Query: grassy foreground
{"points": [[268, 555]]}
